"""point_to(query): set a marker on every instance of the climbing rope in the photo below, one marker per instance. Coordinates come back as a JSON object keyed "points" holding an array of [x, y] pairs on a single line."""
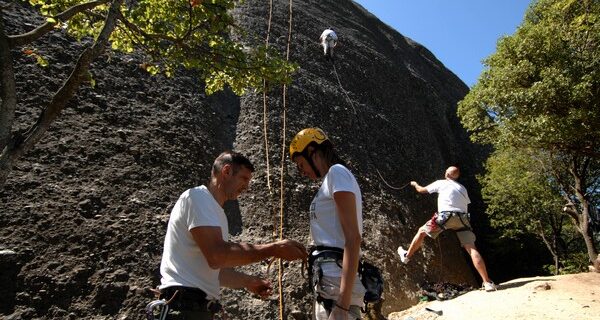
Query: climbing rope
{"points": [[265, 131], [441, 260], [343, 90], [282, 170], [360, 122], [268, 170], [389, 185]]}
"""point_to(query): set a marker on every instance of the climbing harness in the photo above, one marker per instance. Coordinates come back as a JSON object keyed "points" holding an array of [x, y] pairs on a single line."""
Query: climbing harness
{"points": [[442, 218], [181, 298], [157, 306], [160, 306], [369, 275]]}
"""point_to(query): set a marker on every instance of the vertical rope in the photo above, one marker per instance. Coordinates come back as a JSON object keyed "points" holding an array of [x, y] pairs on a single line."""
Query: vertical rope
{"points": [[440, 276], [283, 144], [282, 169], [341, 87], [283, 141], [265, 131]]}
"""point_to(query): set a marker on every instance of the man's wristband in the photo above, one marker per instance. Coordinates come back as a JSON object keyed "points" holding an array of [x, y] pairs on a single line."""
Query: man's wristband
{"points": [[337, 305]]}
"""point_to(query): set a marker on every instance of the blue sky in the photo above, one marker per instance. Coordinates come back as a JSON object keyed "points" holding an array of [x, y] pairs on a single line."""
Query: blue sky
{"points": [[460, 33]]}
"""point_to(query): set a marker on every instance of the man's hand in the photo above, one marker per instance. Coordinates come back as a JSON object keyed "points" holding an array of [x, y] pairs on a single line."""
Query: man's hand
{"points": [[259, 287], [418, 187], [290, 250]]}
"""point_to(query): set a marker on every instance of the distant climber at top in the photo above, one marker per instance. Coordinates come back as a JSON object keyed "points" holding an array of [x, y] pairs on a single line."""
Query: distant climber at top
{"points": [[328, 40]]}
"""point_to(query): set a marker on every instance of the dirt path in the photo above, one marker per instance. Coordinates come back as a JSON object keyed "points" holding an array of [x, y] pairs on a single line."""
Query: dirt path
{"points": [[570, 297]]}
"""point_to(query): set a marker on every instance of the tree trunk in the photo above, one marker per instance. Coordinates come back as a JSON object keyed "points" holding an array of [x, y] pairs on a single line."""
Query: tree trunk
{"points": [[584, 219], [16, 146], [9, 98], [551, 248]]}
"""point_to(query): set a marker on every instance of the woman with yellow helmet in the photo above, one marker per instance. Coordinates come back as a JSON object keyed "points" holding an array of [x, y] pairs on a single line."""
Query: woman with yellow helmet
{"points": [[335, 227]]}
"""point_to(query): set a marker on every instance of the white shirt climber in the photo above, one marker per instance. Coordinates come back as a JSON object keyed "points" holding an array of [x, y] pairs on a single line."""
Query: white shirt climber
{"points": [[328, 40]]}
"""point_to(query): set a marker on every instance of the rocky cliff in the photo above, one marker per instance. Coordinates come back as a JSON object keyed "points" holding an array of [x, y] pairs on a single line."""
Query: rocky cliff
{"points": [[83, 215]]}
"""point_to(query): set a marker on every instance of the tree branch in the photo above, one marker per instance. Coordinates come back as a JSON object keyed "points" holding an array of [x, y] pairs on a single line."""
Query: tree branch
{"points": [[570, 210], [180, 42], [590, 151], [22, 39], [550, 247], [190, 21], [143, 33], [8, 91], [62, 96]]}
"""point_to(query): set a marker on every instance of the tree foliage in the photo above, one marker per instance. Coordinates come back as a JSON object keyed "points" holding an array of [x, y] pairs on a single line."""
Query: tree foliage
{"points": [[542, 85], [523, 198], [518, 192], [537, 102], [176, 33], [173, 34]]}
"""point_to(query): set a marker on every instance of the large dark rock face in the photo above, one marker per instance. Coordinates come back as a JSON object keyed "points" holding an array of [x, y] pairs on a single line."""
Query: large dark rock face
{"points": [[83, 214]]}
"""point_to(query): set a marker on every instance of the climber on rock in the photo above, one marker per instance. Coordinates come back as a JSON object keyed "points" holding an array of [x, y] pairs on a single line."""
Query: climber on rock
{"points": [[328, 41], [452, 215]]}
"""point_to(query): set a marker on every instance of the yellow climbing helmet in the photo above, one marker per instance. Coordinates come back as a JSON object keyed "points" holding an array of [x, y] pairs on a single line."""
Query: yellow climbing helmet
{"points": [[304, 138]]}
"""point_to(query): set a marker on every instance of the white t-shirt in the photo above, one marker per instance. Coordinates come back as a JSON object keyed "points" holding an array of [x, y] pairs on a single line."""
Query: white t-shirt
{"points": [[330, 33], [452, 195], [325, 226], [183, 263]]}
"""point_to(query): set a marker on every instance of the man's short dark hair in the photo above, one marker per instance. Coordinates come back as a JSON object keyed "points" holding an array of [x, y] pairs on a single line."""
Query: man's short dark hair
{"points": [[235, 159]]}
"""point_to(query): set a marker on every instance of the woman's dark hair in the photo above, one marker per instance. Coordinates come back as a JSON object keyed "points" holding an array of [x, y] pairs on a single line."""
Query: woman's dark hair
{"points": [[327, 151], [235, 159]]}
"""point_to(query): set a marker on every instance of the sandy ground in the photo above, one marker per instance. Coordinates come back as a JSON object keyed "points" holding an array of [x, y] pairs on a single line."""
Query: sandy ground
{"points": [[571, 297]]}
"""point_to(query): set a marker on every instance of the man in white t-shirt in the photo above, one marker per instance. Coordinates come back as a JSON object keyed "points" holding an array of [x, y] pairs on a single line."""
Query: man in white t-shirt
{"points": [[328, 41], [452, 214], [198, 256]]}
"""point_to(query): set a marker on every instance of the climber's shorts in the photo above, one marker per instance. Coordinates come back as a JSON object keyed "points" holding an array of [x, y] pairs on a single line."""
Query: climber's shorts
{"points": [[445, 220]]}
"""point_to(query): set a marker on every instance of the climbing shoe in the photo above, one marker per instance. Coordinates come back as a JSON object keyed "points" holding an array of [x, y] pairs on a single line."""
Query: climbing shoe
{"points": [[402, 254], [489, 286]]}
